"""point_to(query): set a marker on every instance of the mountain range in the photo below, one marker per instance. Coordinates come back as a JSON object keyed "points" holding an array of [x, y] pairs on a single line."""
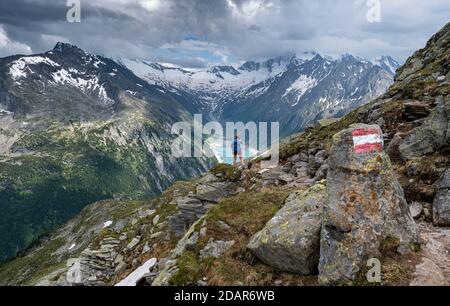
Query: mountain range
{"points": [[295, 91], [372, 187], [76, 128]]}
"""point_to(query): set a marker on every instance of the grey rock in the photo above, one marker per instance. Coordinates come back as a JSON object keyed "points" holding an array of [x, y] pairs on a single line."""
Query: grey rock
{"points": [[321, 173], [366, 205], [213, 192], [118, 259], [194, 206], [156, 235], [133, 243], [208, 178], [290, 240], [276, 177], [164, 276], [222, 225], [163, 224], [444, 181], [203, 231], [215, 248], [191, 242], [190, 209], [304, 157], [441, 202], [76, 275], [146, 213], [119, 225], [320, 157], [185, 240], [262, 171], [313, 166], [393, 148], [416, 209], [428, 137], [287, 167], [295, 158], [156, 220]]}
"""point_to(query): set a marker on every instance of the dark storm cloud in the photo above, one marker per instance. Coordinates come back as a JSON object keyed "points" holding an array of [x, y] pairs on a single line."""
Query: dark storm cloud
{"points": [[228, 29]]}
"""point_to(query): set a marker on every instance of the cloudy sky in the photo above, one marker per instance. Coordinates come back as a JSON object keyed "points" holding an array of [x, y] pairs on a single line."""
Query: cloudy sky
{"points": [[199, 33]]}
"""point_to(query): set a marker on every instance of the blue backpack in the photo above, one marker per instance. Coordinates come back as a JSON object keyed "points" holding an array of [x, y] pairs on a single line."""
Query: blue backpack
{"points": [[235, 144]]}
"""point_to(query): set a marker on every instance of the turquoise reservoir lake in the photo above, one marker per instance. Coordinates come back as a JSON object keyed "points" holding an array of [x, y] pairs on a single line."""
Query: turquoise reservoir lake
{"points": [[223, 151]]}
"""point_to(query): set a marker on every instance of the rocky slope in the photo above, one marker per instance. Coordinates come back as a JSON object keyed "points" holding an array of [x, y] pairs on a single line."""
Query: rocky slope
{"points": [[373, 184], [311, 87], [74, 129]]}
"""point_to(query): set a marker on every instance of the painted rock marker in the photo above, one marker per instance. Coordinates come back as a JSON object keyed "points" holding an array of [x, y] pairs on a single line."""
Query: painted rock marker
{"points": [[366, 206], [366, 140]]}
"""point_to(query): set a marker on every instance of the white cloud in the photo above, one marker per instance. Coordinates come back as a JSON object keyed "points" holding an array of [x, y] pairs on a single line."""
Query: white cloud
{"points": [[231, 30], [151, 5], [8, 47]]}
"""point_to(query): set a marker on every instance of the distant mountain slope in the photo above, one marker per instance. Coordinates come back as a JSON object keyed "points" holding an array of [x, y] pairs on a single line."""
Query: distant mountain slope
{"points": [[227, 206], [220, 211], [294, 91], [77, 128]]}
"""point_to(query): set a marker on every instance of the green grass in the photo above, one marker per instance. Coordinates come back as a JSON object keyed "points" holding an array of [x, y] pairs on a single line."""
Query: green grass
{"points": [[226, 172], [246, 213], [38, 265]]}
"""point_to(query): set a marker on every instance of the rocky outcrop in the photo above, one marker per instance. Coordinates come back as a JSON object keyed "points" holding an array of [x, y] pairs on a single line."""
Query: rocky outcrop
{"points": [[366, 205], [431, 135], [169, 268], [290, 240], [209, 190], [441, 203], [415, 110], [93, 266]]}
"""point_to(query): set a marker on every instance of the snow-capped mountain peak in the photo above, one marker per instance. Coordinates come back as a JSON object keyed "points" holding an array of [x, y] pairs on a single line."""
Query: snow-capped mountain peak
{"points": [[310, 85], [387, 63]]}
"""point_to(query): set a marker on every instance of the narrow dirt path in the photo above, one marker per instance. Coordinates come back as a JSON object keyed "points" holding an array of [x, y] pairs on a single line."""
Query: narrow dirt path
{"points": [[434, 268]]}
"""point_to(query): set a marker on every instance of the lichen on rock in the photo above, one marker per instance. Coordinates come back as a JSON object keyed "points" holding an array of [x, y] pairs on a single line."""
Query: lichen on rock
{"points": [[290, 240], [366, 205]]}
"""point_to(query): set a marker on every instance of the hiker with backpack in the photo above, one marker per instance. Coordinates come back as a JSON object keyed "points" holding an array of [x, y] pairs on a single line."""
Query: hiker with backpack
{"points": [[237, 151]]}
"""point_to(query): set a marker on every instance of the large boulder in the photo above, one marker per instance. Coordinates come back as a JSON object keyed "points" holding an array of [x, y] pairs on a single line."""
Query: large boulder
{"points": [[366, 205], [431, 135], [441, 203], [290, 240]]}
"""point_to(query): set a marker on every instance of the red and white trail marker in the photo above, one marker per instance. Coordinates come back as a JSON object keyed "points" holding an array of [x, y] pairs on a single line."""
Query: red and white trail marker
{"points": [[367, 140]]}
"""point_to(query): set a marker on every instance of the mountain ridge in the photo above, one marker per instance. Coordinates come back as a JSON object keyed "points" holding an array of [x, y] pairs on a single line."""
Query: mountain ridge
{"points": [[200, 231], [239, 95], [77, 128]]}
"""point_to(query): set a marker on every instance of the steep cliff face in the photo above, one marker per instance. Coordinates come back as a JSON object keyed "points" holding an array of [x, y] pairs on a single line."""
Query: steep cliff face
{"points": [[234, 226], [74, 129]]}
